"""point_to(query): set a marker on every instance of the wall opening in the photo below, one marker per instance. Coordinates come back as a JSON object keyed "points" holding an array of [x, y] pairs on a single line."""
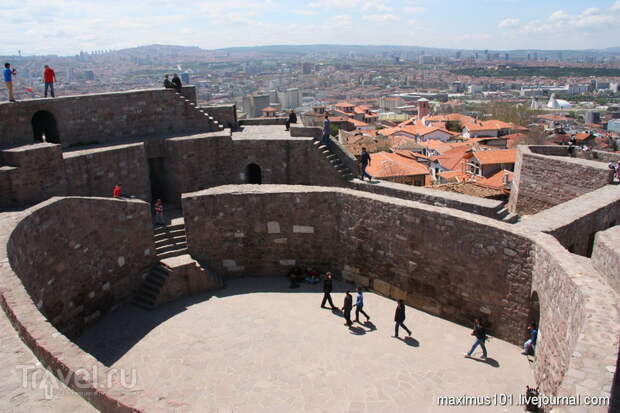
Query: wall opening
{"points": [[590, 244], [253, 174], [45, 127], [158, 179]]}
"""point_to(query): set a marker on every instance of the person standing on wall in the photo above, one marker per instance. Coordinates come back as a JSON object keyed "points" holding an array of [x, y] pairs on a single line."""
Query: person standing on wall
{"points": [[176, 82], [399, 318], [481, 336], [292, 118], [347, 307], [49, 77], [8, 74], [159, 213], [327, 290], [359, 306], [327, 127], [364, 163]]}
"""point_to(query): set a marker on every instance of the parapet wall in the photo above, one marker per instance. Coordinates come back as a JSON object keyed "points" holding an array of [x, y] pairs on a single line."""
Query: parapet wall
{"points": [[579, 327], [79, 257], [106, 117], [542, 181], [606, 255], [575, 223], [438, 260]]}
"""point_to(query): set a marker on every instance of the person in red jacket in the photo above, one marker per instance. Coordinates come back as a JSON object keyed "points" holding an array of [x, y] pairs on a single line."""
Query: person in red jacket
{"points": [[117, 192], [49, 77]]}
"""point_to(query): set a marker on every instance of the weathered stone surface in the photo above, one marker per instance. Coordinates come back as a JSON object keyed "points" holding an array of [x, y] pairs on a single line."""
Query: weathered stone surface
{"points": [[606, 255], [186, 278]]}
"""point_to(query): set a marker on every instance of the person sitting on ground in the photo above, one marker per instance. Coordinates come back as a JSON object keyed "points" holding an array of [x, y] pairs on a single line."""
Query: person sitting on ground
{"points": [[528, 346], [167, 83], [117, 192], [312, 277], [176, 82], [295, 274]]}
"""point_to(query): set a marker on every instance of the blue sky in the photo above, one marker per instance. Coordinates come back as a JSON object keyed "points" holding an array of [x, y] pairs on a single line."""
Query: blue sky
{"points": [[68, 26]]}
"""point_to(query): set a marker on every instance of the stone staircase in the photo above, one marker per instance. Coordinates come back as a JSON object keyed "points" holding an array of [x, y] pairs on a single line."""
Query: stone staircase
{"points": [[170, 240], [146, 296], [503, 214], [334, 161], [201, 115]]}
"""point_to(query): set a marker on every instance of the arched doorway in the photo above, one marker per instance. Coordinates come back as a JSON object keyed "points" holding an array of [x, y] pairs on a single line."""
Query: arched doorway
{"points": [[253, 174], [44, 124]]}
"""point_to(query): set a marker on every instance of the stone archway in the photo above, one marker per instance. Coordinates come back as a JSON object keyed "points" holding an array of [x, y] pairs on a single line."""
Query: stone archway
{"points": [[45, 127], [253, 174]]}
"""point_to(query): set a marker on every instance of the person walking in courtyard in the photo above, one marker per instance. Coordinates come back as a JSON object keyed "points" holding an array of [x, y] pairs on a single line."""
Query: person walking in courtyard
{"points": [[481, 336], [167, 83], [159, 213], [117, 192], [531, 342], [327, 290], [364, 163], [347, 307], [176, 82], [49, 77], [327, 127], [399, 318], [359, 306], [8, 74]]}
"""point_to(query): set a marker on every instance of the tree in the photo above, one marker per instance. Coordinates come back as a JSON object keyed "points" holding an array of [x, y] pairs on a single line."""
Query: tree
{"points": [[454, 126]]}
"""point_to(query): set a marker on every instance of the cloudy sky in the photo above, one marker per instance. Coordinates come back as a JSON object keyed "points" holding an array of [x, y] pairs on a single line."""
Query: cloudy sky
{"points": [[68, 26]]}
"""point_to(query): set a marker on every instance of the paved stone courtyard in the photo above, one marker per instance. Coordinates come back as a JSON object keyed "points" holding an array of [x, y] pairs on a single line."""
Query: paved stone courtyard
{"points": [[262, 132], [257, 346]]}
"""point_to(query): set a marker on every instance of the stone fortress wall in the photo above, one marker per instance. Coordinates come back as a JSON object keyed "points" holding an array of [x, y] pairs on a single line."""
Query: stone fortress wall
{"points": [[439, 260], [433, 269]]}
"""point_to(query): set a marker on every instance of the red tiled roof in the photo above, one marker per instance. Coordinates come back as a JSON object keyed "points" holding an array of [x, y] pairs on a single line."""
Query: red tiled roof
{"points": [[496, 157], [385, 164]]}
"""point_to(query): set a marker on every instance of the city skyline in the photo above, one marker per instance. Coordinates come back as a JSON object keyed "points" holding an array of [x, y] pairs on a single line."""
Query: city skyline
{"points": [[65, 27]]}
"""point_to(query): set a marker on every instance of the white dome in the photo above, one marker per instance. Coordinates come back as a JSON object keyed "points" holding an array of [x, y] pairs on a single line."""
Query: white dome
{"points": [[558, 103]]}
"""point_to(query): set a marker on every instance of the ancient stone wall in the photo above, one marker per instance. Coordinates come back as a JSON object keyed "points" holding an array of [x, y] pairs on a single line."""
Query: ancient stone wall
{"points": [[94, 172], [34, 173], [543, 181], [438, 260], [79, 257], [226, 115], [579, 324], [106, 117], [606, 255], [575, 223], [263, 121]]}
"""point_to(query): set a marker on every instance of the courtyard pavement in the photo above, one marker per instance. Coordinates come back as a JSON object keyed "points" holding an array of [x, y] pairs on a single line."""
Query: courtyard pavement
{"points": [[262, 132], [257, 346]]}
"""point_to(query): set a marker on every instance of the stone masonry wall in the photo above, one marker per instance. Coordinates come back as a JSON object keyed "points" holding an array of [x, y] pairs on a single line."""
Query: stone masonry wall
{"points": [[106, 117], [606, 255], [79, 257], [575, 223], [541, 181], [438, 260], [225, 114], [94, 172], [579, 325]]}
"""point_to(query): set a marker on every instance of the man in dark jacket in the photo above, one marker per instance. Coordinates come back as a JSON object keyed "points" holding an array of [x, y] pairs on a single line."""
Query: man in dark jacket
{"points": [[481, 336], [292, 118], [176, 81], [399, 318], [327, 289], [365, 163], [167, 83], [347, 307]]}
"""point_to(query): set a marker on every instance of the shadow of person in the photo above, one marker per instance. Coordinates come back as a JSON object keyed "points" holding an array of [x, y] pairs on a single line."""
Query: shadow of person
{"points": [[490, 361], [358, 331], [410, 341], [338, 312], [370, 326]]}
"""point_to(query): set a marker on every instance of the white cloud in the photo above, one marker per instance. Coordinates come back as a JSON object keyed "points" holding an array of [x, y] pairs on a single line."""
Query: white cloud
{"points": [[333, 4], [591, 11], [559, 15], [375, 6], [615, 6], [506, 23], [381, 18], [414, 9], [342, 20]]}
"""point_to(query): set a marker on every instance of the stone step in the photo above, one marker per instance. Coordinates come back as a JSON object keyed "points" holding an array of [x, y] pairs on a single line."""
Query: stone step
{"points": [[511, 218], [172, 253], [142, 303], [174, 239], [169, 230], [503, 212], [170, 247]]}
